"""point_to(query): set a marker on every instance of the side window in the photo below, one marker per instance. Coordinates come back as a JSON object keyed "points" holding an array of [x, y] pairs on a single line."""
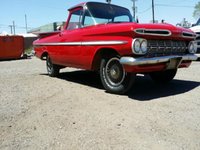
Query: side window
{"points": [[88, 19], [75, 19], [122, 19]]}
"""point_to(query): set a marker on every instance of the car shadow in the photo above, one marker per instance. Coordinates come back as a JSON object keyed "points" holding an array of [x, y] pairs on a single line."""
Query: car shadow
{"points": [[88, 78], [144, 88], [14, 59]]}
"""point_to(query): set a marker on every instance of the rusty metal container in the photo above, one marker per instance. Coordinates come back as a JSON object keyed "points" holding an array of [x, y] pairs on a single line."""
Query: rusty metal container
{"points": [[11, 47]]}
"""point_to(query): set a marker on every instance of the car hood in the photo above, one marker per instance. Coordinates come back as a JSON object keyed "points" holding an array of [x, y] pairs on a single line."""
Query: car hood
{"points": [[142, 30]]}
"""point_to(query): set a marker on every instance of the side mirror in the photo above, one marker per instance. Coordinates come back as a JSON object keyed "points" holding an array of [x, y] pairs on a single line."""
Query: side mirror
{"points": [[58, 28]]}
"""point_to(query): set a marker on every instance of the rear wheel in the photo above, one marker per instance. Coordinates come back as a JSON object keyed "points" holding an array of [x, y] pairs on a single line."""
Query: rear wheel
{"points": [[52, 69], [163, 77], [113, 76]]}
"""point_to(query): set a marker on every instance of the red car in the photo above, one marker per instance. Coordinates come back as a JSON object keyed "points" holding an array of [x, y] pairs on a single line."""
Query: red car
{"points": [[103, 37]]}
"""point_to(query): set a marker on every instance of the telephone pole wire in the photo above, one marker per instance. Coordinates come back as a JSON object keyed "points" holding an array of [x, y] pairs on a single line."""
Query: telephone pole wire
{"points": [[11, 32], [26, 23], [14, 27], [134, 9], [153, 15]]}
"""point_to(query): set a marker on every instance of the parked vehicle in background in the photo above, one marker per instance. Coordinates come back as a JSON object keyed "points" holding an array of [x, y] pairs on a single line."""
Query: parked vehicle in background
{"points": [[103, 37], [11, 47], [196, 28]]}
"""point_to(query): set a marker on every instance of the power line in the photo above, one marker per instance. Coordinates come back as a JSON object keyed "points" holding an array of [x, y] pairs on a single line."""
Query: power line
{"points": [[168, 5], [16, 26], [12, 27], [141, 12]]}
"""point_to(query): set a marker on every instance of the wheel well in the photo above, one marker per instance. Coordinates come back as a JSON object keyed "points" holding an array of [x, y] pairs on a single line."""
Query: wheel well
{"points": [[44, 56], [102, 53]]}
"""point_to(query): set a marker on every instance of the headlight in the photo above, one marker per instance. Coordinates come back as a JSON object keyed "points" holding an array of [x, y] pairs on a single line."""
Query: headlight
{"points": [[144, 46], [192, 47], [139, 46]]}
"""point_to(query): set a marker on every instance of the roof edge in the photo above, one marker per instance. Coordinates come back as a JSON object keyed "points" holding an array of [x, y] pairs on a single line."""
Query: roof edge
{"points": [[85, 3]]}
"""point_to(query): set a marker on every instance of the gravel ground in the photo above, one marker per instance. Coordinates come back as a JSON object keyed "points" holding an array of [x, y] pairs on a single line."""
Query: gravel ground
{"points": [[73, 111]]}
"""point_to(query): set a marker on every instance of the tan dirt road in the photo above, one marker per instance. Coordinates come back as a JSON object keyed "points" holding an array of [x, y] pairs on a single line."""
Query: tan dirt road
{"points": [[74, 111]]}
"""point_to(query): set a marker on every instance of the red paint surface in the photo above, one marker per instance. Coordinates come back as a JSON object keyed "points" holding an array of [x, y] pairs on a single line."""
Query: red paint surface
{"points": [[11, 47]]}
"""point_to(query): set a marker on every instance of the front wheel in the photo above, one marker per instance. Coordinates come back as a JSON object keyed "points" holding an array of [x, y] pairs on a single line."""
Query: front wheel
{"points": [[113, 76], [52, 69], [163, 77]]}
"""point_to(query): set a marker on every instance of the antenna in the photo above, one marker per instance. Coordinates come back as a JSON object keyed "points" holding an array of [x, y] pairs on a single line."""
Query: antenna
{"points": [[108, 1]]}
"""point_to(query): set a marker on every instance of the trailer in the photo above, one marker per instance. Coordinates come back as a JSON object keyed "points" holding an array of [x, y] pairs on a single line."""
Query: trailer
{"points": [[11, 47]]}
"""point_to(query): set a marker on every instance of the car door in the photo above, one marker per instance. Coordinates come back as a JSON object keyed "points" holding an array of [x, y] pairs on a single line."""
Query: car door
{"points": [[70, 40]]}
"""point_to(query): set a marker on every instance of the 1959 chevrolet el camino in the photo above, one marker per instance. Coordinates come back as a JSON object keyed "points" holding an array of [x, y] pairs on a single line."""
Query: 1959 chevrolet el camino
{"points": [[103, 37]]}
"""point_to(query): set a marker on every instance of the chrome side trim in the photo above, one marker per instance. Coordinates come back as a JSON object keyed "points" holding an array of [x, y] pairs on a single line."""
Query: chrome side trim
{"points": [[143, 31], [155, 60], [104, 43], [57, 44], [89, 43]]}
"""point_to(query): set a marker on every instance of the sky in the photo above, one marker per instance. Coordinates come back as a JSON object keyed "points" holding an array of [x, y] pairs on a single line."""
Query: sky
{"points": [[41, 12]]}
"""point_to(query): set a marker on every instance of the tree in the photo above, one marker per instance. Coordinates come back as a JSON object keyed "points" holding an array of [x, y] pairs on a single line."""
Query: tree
{"points": [[196, 12]]}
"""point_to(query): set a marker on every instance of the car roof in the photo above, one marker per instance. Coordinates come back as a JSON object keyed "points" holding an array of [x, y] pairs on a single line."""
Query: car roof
{"points": [[85, 3], [79, 5]]}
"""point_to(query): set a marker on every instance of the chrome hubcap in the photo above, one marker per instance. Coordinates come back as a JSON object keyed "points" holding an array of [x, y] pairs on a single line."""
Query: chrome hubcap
{"points": [[114, 72]]}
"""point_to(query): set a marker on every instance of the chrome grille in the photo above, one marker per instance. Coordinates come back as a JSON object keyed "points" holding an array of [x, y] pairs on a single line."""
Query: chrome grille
{"points": [[166, 47]]}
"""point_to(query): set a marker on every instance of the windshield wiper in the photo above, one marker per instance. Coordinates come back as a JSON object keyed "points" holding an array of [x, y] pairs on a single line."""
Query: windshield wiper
{"points": [[116, 22]]}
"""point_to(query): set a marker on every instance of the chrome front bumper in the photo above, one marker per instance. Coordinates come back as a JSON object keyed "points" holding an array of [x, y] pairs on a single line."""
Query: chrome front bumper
{"points": [[155, 60]]}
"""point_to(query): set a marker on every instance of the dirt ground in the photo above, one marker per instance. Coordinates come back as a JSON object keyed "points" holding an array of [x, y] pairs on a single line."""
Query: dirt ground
{"points": [[74, 112]]}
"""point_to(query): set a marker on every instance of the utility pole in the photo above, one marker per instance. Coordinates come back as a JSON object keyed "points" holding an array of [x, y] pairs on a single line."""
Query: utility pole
{"points": [[11, 31], [134, 9], [26, 23], [14, 27], [153, 11]]}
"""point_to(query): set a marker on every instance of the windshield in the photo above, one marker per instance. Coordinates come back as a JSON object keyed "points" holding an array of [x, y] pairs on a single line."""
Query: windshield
{"points": [[99, 13]]}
